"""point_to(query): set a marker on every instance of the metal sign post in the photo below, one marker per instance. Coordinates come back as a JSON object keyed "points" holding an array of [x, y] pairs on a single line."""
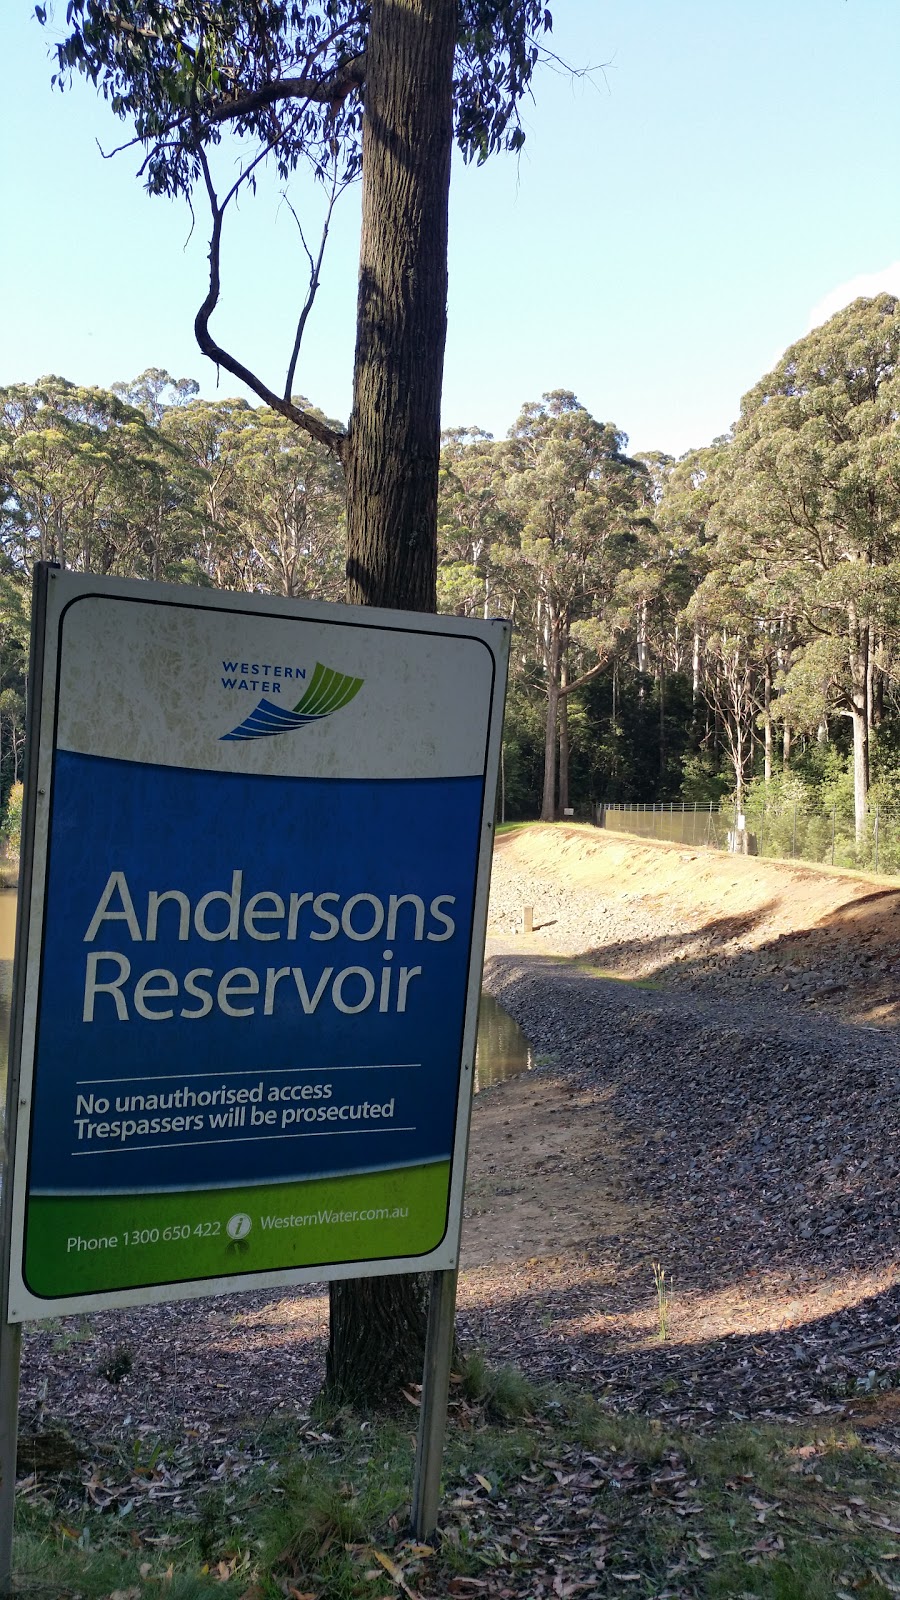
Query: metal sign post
{"points": [[259, 837], [11, 1333], [433, 1412]]}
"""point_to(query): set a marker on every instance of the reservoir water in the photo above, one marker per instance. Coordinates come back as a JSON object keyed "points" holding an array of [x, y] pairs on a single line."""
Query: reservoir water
{"points": [[7, 942], [503, 1050]]}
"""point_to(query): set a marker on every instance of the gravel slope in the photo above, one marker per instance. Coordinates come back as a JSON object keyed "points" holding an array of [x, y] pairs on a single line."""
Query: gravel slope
{"points": [[761, 1133]]}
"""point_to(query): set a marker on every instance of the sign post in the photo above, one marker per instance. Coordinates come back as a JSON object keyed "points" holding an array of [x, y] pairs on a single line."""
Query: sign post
{"points": [[433, 1411], [11, 1332], [260, 847]]}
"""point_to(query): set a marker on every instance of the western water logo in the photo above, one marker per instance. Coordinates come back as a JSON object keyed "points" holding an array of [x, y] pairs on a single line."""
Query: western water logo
{"points": [[328, 692]]}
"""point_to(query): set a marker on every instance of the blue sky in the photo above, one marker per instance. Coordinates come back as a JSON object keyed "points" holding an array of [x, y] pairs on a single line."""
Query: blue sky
{"points": [[730, 175]]}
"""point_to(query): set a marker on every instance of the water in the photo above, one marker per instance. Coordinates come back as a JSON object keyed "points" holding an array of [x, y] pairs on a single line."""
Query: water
{"points": [[7, 942], [502, 1051]]}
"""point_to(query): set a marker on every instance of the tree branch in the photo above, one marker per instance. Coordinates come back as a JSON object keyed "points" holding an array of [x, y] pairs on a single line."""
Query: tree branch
{"points": [[592, 672], [315, 268], [331, 91], [333, 440]]}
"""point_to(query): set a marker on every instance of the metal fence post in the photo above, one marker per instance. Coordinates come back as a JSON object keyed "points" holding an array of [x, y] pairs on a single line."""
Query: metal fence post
{"points": [[833, 818], [794, 835], [877, 830]]}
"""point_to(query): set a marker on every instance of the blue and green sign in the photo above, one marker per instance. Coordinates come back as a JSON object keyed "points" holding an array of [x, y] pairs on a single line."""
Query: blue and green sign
{"points": [[258, 916]]}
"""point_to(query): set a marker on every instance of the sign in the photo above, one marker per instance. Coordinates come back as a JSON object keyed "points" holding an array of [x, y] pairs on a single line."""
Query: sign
{"points": [[261, 854]]}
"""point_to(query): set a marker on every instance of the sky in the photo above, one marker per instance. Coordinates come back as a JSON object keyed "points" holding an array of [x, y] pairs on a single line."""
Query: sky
{"points": [[726, 178]]}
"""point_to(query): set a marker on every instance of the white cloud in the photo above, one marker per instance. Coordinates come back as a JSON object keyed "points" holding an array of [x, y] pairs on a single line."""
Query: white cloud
{"points": [[867, 284]]}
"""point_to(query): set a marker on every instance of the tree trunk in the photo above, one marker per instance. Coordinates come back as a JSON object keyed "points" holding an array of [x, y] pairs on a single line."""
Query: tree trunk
{"points": [[860, 766], [548, 801], [614, 730], [876, 681], [858, 655], [767, 722], [740, 763], [377, 1325], [662, 723], [695, 673], [394, 436], [563, 743], [870, 677], [376, 1338]]}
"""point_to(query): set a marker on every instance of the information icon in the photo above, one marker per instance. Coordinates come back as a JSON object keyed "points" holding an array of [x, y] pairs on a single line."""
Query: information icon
{"points": [[238, 1226]]}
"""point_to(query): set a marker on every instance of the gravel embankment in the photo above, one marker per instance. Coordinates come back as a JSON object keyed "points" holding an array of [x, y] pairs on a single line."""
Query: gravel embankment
{"points": [[730, 954], [763, 1135]]}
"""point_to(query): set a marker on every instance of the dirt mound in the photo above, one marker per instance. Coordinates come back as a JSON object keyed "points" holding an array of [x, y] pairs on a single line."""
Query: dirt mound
{"points": [[671, 913]]}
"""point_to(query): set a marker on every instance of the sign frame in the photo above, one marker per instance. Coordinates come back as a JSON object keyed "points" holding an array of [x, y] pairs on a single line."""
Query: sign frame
{"points": [[53, 593]]}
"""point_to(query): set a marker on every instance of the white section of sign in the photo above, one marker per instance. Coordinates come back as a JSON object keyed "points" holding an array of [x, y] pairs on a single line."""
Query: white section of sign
{"points": [[162, 680]]}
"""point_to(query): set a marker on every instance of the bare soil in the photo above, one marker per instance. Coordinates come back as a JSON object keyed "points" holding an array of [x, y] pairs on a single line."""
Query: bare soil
{"points": [[543, 1168]]}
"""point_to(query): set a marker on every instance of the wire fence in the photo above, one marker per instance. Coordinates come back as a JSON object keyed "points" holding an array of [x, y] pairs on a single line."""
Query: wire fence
{"points": [[786, 830]]}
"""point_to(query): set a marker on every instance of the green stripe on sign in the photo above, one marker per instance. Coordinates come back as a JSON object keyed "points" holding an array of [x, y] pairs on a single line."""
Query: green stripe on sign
{"points": [[314, 695], [85, 1244], [328, 691]]}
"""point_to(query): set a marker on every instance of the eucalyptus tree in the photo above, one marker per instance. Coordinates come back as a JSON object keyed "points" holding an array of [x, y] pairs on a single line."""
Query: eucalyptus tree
{"points": [[12, 733], [723, 613], [288, 510], [207, 432], [812, 502], [689, 493], [472, 524], [345, 88], [154, 391], [88, 482], [575, 500], [15, 629]]}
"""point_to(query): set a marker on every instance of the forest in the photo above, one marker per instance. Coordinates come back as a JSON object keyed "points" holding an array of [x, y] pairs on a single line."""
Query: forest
{"points": [[722, 626]]}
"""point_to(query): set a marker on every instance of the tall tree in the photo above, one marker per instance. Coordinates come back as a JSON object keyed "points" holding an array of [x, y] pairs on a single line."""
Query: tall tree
{"points": [[575, 497], [723, 614], [812, 501], [88, 482], [372, 87], [272, 499], [154, 391], [471, 523], [346, 88]]}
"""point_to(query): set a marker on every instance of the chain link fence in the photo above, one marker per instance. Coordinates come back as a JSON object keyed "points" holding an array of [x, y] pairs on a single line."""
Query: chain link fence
{"points": [[785, 831]]}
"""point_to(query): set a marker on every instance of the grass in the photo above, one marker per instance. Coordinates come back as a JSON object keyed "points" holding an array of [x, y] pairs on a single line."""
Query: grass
{"points": [[613, 977], [545, 1492], [516, 827], [581, 965], [69, 1331]]}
